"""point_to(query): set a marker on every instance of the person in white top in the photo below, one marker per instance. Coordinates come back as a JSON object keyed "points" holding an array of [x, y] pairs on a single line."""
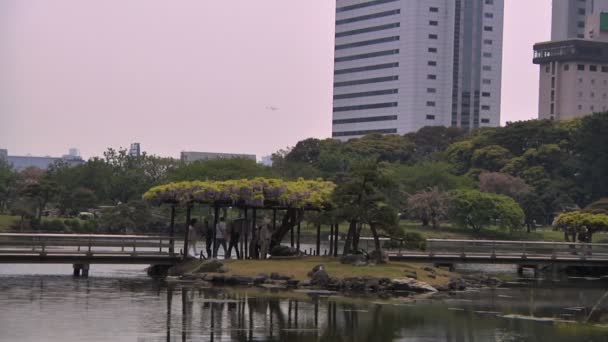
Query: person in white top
{"points": [[192, 237], [265, 235], [220, 237]]}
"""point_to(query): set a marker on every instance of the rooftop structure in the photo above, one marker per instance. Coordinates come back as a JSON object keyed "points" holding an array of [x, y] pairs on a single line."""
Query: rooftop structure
{"points": [[190, 156]]}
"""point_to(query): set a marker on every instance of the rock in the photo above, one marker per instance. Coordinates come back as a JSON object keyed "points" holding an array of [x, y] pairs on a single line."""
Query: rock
{"points": [[315, 269], [277, 276], [456, 284], [411, 274], [430, 270], [259, 280], [412, 285], [210, 266], [320, 278], [238, 280], [284, 251], [274, 286], [354, 259], [378, 256], [293, 282], [158, 270]]}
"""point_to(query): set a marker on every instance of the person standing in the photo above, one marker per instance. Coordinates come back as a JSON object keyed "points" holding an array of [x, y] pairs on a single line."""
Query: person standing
{"points": [[234, 235], [192, 237], [265, 235], [208, 230], [220, 237]]}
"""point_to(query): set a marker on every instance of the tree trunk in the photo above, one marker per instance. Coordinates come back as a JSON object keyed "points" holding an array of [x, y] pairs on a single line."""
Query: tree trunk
{"points": [[378, 254], [349, 238], [425, 221], [288, 222], [356, 236]]}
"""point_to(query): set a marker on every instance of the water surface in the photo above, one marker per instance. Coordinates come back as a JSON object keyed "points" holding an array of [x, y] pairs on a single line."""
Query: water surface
{"points": [[44, 303]]}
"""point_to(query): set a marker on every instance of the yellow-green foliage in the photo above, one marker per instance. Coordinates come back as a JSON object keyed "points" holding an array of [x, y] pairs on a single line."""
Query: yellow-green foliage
{"points": [[578, 221], [256, 192]]}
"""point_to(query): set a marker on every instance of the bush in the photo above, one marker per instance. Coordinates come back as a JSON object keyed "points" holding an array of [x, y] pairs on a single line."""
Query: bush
{"points": [[54, 225], [411, 241], [73, 225]]}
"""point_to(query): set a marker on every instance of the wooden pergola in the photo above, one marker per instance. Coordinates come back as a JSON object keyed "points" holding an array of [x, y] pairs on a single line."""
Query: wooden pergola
{"points": [[273, 200]]}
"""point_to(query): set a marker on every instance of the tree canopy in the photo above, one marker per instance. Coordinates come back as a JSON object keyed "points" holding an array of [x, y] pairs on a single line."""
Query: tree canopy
{"points": [[257, 192]]}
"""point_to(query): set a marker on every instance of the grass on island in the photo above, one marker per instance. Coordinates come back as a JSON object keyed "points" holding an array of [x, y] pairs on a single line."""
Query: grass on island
{"points": [[299, 268], [6, 222]]}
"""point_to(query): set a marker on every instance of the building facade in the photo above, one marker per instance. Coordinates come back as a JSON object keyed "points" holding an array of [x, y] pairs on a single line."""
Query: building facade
{"points": [[20, 163], [189, 157], [568, 17], [574, 72], [401, 65], [135, 150]]}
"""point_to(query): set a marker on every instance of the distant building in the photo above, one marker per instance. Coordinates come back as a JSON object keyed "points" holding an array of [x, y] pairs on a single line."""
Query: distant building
{"points": [[569, 17], [401, 65], [3, 154], [574, 72], [189, 157], [73, 153], [135, 150], [266, 160], [20, 163]]}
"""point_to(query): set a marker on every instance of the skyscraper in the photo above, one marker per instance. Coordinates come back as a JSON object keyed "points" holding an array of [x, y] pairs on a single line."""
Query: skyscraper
{"points": [[404, 64], [569, 16]]}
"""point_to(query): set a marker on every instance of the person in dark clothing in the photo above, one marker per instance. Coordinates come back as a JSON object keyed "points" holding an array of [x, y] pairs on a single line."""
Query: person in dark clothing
{"points": [[234, 236], [208, 238]]}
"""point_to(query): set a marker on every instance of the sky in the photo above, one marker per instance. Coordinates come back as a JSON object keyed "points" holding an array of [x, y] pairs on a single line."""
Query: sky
{"points": [[236, 76]]}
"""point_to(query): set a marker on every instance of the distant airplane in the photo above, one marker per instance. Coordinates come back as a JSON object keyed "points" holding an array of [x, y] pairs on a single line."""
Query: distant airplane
{"points": [[272, 108]]}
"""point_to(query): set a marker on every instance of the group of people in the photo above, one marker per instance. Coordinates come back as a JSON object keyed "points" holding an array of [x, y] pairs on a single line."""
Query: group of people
{"points": [[228, 236]]}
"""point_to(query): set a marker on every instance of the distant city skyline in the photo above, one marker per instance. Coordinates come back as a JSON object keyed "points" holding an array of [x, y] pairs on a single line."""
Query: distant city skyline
{"points": [[232, 77]]}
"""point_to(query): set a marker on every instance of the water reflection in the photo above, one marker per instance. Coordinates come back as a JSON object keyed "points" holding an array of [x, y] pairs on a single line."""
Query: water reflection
{"points": [[60, 308], [256, 316]]}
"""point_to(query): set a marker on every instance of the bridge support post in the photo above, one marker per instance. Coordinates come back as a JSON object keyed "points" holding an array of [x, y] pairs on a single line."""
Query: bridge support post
{"points": [[81, 270]]}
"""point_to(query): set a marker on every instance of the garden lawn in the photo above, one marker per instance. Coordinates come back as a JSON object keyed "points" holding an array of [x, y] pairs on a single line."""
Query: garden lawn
{"points": [[6, 221]]}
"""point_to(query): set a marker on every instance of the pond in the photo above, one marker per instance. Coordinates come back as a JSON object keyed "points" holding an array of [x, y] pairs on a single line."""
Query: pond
{"points": [[119, 303]]}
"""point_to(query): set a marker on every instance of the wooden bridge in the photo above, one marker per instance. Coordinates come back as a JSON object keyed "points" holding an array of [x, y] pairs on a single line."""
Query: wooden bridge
{"points": [[83, 250], [522, 253]]}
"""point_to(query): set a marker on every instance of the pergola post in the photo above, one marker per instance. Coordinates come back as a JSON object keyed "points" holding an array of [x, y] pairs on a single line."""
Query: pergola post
{"points": [[292, 236], [253, 250], [216, 213], [172, 231], [336, 237], [187, 234], [243, 238], [331, 239], [299, 214], [319, 239]]}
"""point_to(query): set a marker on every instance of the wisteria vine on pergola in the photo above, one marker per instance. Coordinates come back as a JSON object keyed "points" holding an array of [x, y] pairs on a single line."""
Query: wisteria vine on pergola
{"points": [[252, 193]]}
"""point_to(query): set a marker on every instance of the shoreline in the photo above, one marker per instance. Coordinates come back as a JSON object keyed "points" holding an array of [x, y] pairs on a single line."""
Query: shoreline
{"points": [[327, 276]]}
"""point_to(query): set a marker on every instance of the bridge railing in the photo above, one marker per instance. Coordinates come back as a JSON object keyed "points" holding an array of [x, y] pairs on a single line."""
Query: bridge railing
{"points": [[84, 244], [521, 249]]}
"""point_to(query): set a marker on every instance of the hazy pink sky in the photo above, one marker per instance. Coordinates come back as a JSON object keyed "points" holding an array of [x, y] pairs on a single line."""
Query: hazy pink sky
{"points": [[193, 75]]}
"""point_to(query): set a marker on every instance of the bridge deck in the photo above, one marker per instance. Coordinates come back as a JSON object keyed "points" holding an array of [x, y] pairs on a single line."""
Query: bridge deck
{"points": [[507, 252], [87, 249]]}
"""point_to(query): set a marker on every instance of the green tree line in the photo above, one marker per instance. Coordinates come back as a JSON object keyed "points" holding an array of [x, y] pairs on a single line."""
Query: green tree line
{"points": [[522, 174]]}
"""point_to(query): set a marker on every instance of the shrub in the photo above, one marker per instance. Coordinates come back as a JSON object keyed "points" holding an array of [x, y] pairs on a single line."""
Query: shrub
{"points": [[411, 241]]}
